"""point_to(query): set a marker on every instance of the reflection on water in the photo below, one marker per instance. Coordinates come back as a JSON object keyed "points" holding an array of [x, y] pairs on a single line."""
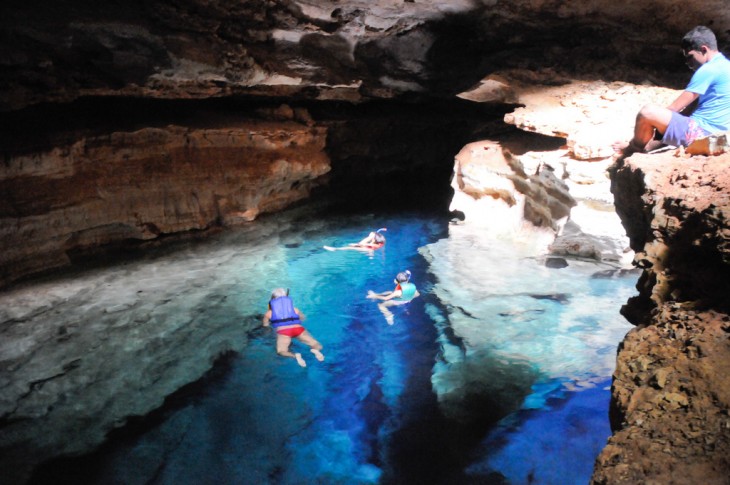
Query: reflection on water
{"points": [[488, 365]]}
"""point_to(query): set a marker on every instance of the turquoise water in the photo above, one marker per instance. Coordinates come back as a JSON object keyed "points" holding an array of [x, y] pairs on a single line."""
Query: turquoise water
{"points": [[370, 413]]}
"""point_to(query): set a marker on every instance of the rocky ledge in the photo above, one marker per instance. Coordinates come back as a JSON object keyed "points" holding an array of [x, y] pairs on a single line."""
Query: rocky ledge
{"points": [[670, 395]]}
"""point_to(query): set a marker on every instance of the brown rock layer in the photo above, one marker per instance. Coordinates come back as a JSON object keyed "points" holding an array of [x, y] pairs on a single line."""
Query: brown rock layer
{"points": [[147, 183], [671, 395]]}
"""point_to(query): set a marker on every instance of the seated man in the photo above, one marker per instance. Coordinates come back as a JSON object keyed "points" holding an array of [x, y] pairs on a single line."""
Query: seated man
{"points": [[709, 88]]}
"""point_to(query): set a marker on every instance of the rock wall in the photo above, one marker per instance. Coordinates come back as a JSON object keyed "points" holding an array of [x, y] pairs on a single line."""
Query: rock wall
{"points": [[351, 50], [138, 185], [670, 395]]}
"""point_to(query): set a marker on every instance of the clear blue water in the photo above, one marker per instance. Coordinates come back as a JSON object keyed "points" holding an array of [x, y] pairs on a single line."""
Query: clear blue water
{"points": [[369, 413]]}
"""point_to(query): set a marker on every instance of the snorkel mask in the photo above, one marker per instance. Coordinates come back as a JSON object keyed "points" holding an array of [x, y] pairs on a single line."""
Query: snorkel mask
{"points": [[402, 277]]}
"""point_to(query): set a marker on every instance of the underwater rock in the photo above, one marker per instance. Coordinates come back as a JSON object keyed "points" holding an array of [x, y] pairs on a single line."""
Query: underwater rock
{"points": [[483, 388], [79, 356]]}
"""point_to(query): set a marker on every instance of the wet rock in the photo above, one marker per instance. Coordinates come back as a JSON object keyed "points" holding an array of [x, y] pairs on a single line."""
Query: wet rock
{"points": [[556, 263]]}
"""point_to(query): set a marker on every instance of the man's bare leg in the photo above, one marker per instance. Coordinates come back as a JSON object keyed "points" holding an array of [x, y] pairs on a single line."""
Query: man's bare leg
{"points": [[649, 120]]}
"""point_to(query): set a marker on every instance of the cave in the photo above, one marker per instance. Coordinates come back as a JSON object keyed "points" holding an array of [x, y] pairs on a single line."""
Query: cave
{"points": [[132, 131]]}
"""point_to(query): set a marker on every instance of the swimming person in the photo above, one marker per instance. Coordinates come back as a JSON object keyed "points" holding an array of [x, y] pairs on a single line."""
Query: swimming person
{"points": [[286, 319], [374, 240], [404, 292]]}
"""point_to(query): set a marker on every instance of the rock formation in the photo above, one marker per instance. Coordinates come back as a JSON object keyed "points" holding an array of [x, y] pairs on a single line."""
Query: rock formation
{"points": [[351, 50], [671, 395], [492, 188], [144, 184], [576, 71]]}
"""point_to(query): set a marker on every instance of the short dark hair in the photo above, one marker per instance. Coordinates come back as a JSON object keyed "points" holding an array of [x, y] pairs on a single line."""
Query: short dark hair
{"points": [[697, 37]]}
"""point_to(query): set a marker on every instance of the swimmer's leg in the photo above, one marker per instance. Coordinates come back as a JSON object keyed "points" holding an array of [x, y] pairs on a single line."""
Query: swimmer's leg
{"points": [[383, 307], [282, 348], [316, 347]]}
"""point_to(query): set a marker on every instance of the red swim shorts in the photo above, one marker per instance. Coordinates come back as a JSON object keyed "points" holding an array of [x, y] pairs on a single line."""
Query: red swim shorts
{"points": [[291, 331]]}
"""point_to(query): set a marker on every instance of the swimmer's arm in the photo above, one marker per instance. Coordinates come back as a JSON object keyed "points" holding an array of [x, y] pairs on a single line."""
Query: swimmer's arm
{"points": [[391, 295], [267, 318], [366, 241], [301, 315]]}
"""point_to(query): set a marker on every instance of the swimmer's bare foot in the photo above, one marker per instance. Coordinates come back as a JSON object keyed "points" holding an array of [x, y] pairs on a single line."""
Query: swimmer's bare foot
{"points": [[300, 361], [317, 354]]}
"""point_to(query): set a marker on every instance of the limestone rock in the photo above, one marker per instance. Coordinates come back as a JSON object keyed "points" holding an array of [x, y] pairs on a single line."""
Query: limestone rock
{"points": [[670, 414], [495, 193], [143, 184]]}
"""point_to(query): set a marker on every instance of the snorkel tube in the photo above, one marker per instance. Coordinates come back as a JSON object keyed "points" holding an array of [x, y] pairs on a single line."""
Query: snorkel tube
{"points": [[382, 229]]}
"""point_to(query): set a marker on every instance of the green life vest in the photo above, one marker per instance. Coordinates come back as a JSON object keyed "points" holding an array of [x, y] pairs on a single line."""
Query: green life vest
{"points": [[408, 291]]}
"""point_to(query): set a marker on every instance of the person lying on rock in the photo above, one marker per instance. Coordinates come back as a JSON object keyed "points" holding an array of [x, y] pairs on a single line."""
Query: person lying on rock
{"points": [[404, 292], [286, 319], [701, 110], [374, 240]]}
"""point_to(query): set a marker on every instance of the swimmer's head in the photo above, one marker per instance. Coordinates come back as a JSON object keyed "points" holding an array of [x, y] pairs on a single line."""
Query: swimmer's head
{"points": [[279, 292], [403, 276]]}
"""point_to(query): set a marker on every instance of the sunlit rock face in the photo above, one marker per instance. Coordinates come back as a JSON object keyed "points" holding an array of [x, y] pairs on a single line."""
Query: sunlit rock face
{"points": [[144, 184], [671, 395], [587, 116], [496, 195]]}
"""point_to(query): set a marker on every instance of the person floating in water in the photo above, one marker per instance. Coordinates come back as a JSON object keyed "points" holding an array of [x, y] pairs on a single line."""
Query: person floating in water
{"points": [[374, 240], [286, 319], [404, 292]]}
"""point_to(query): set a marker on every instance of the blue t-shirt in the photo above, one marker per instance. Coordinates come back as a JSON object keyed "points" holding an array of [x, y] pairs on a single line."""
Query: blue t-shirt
{"points": [[712, 82]]}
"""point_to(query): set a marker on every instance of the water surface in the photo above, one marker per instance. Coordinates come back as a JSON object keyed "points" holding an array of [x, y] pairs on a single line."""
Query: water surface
{"points": [[501, 380]]}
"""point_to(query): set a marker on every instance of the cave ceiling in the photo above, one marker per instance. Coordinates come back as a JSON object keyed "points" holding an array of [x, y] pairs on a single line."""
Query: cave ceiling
{"points": [[350, 50]]}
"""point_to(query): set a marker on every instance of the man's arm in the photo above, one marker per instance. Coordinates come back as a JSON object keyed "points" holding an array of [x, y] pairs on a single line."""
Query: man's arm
{"points": [[267, 318], [683, 100]]}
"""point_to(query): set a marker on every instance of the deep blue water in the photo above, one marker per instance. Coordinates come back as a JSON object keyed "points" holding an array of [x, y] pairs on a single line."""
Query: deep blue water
{"points": [[368, 413]]}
